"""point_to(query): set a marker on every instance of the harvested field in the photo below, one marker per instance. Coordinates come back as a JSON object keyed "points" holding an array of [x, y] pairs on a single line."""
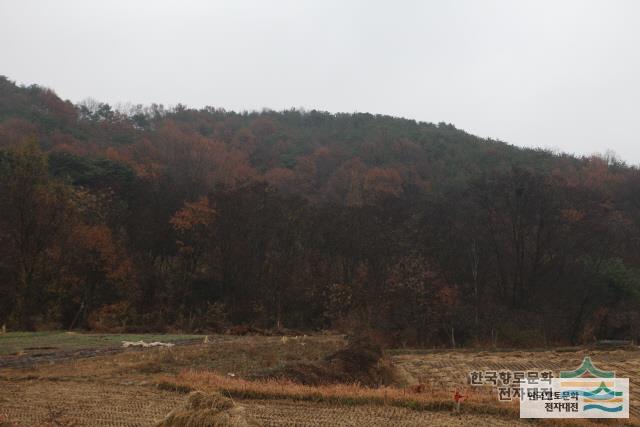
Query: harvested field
{"points": [[449, 369], [122, 389], [72, 403], [85, 403]]}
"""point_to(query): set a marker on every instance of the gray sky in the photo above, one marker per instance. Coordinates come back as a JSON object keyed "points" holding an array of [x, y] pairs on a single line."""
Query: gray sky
{"points": [[555, 74]]}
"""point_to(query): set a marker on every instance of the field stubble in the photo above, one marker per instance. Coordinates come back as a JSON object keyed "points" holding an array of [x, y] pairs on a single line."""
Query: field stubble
{"points": [[122, 389]]}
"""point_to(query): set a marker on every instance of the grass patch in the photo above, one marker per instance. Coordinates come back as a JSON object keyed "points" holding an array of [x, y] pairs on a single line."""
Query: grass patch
{"points": [[241, 356], [54, 341]]}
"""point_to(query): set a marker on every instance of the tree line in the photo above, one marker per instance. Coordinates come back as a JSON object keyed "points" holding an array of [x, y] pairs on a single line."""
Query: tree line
{"points": [[155, 219]]}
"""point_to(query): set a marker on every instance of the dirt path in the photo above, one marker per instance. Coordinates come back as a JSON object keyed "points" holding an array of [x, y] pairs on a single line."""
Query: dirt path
{"points": [[30, 403], [25, 361]]}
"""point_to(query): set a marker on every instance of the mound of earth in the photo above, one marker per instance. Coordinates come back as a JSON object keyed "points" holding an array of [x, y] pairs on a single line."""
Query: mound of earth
{"points": [[362, 361], [208, 410]]}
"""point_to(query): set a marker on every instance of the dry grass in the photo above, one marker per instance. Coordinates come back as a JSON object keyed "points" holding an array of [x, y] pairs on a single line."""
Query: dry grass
{"points": [[123, 389], [477, 402], [445, 369], [70, 403], [361, 361], [5, 422], [242, 356], [212, 410], [89, 404]]}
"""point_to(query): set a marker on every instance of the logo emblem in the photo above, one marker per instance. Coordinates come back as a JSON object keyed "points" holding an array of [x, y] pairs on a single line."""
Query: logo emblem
{"points": [[586, 392]]}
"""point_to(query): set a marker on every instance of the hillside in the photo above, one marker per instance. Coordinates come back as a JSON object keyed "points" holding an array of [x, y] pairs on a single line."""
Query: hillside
{"points": [[148, 218]]}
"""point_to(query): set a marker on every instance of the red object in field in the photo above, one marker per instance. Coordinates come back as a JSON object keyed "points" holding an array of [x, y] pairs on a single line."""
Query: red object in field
{"points": [[458, 397]]}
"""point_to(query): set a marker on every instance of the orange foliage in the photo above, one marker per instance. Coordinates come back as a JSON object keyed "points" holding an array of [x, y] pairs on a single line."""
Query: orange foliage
{"points": [[572, 215], [106, 256], [194, 223], [193, 215]]}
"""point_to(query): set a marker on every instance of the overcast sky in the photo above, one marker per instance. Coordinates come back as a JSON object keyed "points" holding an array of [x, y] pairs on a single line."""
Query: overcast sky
{"points": [[555, 74]]}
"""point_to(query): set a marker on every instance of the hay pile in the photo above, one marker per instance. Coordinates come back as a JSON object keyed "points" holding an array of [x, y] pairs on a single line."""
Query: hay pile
{"points": [[208, 410]]}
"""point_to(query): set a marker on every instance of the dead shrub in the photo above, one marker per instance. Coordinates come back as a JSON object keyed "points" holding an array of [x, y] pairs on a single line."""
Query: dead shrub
{"points": [[177, 388]]}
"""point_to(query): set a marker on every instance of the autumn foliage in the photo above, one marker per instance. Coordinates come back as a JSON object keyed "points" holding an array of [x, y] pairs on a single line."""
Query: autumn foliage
{"points": [[161, 218]]}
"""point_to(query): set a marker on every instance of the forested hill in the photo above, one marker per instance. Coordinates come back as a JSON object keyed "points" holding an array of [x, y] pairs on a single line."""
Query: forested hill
{"points": [[153, 218], [307, 152]]}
